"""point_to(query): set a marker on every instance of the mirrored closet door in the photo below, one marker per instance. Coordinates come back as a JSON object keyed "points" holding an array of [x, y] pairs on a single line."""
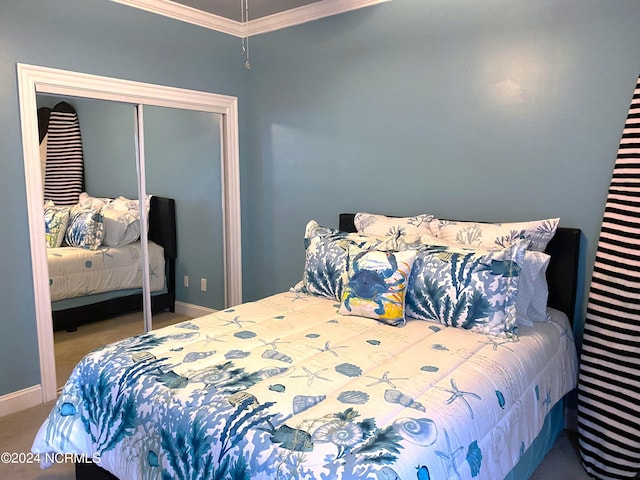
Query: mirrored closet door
{"points": [[192, 142], [182, 161]]}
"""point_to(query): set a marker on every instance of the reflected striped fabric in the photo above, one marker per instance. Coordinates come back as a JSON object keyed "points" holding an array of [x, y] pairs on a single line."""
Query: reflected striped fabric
{"points": [[609, 379], [64, 172]]}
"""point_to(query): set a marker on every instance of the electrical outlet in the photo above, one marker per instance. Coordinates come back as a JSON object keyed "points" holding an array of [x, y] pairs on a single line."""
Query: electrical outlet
{"points": [[203, 284], [186, 281]]}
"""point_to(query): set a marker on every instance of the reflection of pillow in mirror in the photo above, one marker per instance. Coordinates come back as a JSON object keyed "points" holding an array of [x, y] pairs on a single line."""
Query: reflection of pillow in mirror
{"points": [[86, 228], [87, 201], [120, 228], [56, 219]]}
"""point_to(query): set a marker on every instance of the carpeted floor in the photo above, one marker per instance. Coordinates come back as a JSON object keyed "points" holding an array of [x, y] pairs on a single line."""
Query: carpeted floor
{"points": [[18, 430], [70, 347]]}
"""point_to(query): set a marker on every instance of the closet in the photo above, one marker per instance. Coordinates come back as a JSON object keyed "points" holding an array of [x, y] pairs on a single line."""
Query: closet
{"points": [[146, 102]]}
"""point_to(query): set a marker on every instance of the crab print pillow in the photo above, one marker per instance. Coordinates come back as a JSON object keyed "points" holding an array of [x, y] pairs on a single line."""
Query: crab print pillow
{"points": [[376, 283]]}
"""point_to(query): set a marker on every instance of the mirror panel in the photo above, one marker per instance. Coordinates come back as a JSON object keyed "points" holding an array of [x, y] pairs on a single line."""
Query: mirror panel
{"points": [[183, 162]]}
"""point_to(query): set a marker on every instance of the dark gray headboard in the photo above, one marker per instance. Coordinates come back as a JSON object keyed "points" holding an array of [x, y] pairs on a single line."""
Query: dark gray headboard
{"points": [[562, 273]]}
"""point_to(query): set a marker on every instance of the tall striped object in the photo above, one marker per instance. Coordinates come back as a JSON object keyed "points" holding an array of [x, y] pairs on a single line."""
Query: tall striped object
{"points": [[64, 170], [609, 379]]}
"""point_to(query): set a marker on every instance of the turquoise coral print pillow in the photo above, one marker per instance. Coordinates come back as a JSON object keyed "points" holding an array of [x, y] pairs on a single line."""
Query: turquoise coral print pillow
{"points": [[85, 228], [464, 288], [376, 283], [56, 219]]}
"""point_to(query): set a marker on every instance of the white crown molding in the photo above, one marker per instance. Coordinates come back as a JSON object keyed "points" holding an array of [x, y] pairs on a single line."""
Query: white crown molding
{"points": [[289, 18], [189, 15], [307, 13]]}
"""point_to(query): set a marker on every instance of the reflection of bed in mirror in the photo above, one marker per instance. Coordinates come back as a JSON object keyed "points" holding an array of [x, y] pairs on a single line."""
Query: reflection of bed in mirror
{"points": [[108, 279]]}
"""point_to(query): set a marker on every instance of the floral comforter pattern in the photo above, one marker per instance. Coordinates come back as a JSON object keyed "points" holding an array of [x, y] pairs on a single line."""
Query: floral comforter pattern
{"points": [[285, 387]]}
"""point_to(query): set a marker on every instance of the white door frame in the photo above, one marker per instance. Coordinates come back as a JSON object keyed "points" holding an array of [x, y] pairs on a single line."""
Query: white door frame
{"points": [[35, 79]]}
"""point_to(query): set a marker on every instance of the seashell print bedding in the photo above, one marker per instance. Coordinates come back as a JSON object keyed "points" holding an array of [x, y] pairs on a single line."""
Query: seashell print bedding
{"points": [[285, 387]]}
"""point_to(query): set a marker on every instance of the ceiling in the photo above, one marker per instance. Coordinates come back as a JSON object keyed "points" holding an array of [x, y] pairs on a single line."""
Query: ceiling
{"points": [[263, 15]]}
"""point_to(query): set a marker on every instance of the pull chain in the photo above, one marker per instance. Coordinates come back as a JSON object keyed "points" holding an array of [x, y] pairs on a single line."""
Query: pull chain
{"points": [[244, 5]]}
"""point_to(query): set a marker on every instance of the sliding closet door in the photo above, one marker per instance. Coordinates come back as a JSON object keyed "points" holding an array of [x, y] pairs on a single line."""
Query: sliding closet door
{"points": [[182, 158]]}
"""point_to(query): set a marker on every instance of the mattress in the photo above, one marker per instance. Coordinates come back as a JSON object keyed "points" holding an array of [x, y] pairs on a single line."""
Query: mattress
{"points": [[76, 272], [285, 387]]}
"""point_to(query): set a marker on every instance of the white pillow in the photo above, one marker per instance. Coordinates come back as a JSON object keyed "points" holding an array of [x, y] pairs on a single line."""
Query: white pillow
{"points": [[533, 291], [120, 228]]}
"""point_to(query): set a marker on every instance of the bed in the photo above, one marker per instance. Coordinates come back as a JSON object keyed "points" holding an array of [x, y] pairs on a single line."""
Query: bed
{"points": [[94, 284], [300, 385]]}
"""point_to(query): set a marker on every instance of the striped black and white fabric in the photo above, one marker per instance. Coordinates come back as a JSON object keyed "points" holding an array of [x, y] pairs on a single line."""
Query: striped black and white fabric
{"points": [[64, 170], [609, 380]]}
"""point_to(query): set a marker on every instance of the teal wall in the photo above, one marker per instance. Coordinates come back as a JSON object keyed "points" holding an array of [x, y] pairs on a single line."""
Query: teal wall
{"points": [[97, 37], [482, 110], [494, 110]]}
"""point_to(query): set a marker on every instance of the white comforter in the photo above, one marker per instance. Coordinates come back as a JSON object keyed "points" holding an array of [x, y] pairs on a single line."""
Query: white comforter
{"points": [[76, 272], [287, 388]]}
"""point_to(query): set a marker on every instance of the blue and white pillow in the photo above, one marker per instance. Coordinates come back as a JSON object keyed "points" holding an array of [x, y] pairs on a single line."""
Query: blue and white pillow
{"points": [[375, 284], [86, 228], [491, 235], [326, 257], [465, 288], [468, 234]]}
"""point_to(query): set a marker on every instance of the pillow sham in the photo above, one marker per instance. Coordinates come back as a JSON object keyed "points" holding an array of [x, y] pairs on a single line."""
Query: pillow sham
{"points": [[86, 228], [56, 219], [468, 234], [326, 253], [371, 223], [491, 235], [533, 290], [375, 284], [465, 288]]}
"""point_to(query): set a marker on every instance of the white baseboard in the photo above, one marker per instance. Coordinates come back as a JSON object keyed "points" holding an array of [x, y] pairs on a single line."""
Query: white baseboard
{"points": [[191, 310], [19, 400]]}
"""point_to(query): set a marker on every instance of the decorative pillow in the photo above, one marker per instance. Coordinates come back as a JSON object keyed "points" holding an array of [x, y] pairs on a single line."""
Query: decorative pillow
{"points": [[492, 235], [533, 291], [376, 283], [56, 219], [464, 288], [85, 228], [326, 258]]}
